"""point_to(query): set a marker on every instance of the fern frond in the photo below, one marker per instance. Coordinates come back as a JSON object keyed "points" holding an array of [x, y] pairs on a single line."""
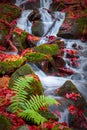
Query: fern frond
{"points": [[36, 102], [31, 115], [19, 87], [29, 108]]}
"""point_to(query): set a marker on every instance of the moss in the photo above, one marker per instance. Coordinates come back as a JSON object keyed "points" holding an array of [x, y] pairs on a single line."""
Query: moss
{"points": [[9, 66], [23, 70], [9, 12], [82, 24], [5, 123], [19, 37], [68, 87], [51, 49], [35, 85], [36, 57]]}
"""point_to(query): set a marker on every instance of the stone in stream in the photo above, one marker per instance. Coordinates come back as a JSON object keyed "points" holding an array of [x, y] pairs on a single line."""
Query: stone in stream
{"points": [[38, 28], [74, 25], [76, 106], [69, 88], [34, 15]]}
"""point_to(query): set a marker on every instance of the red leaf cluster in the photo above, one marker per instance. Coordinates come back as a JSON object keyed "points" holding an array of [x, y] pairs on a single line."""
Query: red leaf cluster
{"points": [[73, 96]]}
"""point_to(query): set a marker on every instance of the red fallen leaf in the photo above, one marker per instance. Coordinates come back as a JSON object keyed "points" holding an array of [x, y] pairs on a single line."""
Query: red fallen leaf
{"points": [[32, 38], [72, 109], [2, 48], [73, 96], [66, 70], [70, 51]]}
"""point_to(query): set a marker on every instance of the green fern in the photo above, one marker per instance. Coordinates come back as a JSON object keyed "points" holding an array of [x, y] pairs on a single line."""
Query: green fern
{"points": [[29, 114], [29, 108], [21, 95], [36, 102]]}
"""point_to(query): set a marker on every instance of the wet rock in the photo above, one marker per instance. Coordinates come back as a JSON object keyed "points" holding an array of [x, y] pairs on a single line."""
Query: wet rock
{"points": [[67, 88], [57, 5], [23, 70], [76, 76], [60, 43], [19, 38], [10, 63], [30, 4], [9, 12], [49, 49], [37, 57], [34, 15], [32, 40], [38, 28], [59, 61], [70, 32]]}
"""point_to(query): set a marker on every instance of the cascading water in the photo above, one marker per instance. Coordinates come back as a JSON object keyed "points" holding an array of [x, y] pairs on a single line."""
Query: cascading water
{"points": [[45, 3], [20, 2], [51, 27]]}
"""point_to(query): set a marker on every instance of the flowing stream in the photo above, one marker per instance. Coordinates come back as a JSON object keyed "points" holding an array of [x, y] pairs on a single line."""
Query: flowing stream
{"points": [[51, 27]]}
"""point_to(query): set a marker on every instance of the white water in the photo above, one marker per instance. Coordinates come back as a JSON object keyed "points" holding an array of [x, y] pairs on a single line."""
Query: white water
{"points": [[45, 3], [23, 22], [20, 2]]}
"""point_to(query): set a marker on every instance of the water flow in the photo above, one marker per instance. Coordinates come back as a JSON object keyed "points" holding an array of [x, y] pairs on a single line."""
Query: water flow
{"points": [[20, 2], [23, 22], [45, 3]]}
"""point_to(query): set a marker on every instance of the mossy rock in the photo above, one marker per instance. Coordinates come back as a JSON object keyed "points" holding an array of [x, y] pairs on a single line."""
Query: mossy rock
{"points": [[5, 123], [9, 65], [32, 40], [19, 38], [9, 12], [35, 85], [23, 70], [49, 49], [67, 88], [60, 43], [37, 57]]}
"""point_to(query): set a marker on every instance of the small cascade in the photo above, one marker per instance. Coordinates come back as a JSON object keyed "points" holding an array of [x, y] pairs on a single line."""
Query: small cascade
{"points": [[23, 22], [20, 2], [64, 116], [45, 3], [51, 22]]}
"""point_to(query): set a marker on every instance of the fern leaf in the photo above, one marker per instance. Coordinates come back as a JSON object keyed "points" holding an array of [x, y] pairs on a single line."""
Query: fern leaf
{"points": [[31, 115]]}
